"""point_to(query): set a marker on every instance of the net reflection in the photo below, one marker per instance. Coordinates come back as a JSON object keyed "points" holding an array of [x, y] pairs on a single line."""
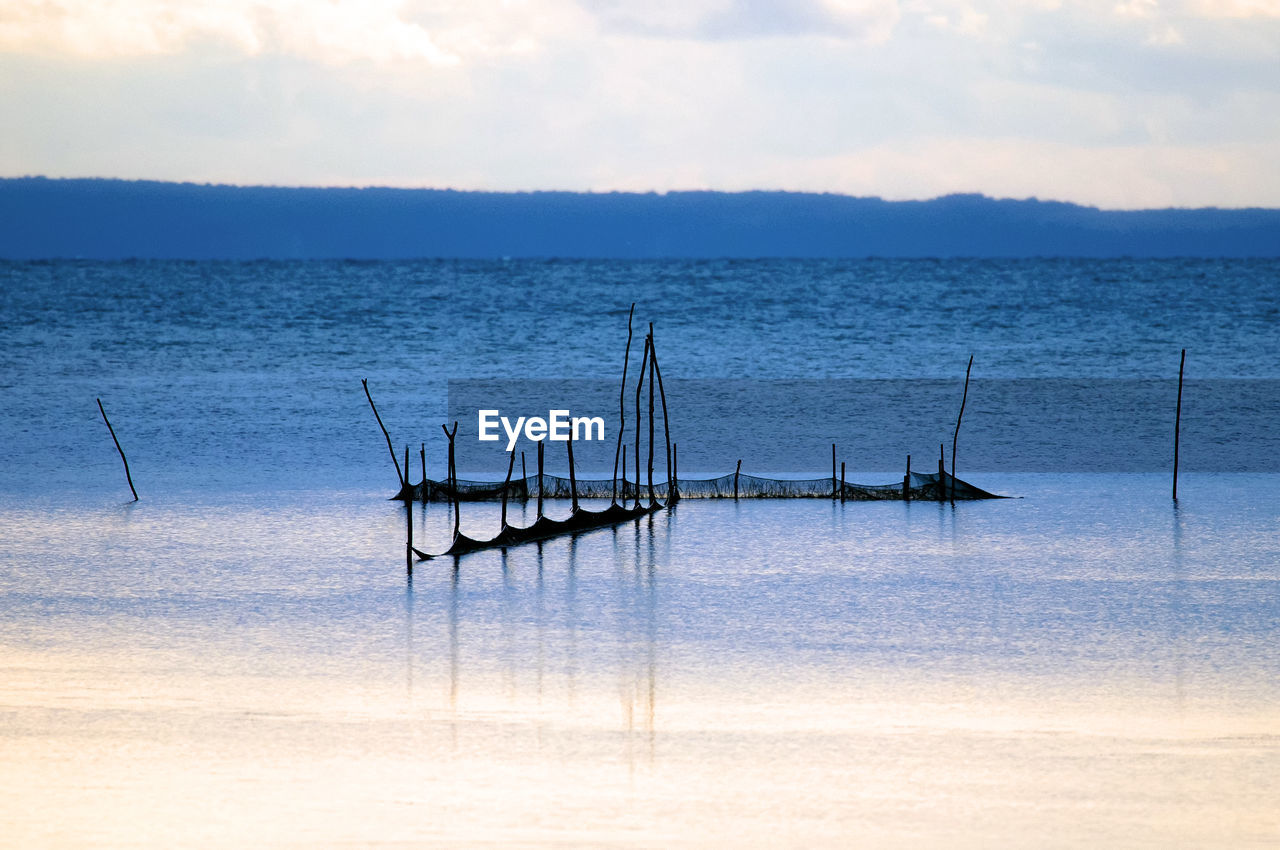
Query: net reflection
{"points": [[533, 637]]}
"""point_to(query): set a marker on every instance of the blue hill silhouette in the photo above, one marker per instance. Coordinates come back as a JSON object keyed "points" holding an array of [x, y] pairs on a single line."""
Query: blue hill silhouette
{"points": [[112, 219]]}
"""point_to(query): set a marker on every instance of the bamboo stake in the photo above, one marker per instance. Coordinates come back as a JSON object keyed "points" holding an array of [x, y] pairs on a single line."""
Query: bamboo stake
{"points": [[524, 476], [1177, 424], [624, 478], [453, 479], [644, 360], [906, 482], [736, 473], [666, 424], [573, 478], [834, 493], [622, 409], [955, 435], [675, 463], [540, 447], [423, 452], [401, 476], [652, 498], [127, 476], [506, 485], [942, 475]]}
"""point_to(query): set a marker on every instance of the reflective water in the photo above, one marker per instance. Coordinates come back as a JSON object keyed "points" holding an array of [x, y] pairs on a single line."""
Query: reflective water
{"points": [[240, 659], [1086, 665]]}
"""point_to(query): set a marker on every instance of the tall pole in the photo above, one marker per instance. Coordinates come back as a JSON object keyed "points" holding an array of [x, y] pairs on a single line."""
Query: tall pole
{"points": [[1177, 424], [956, 434], [390, 448], [652, 498], [622, 409], [540, 447], [666, 424], [644, 362]]}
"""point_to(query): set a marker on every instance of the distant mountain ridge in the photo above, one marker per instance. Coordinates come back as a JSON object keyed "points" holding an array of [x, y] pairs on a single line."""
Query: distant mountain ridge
{"points": [[43, 218]]}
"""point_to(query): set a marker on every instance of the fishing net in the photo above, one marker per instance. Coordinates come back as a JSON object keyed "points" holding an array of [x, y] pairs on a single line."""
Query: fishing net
{"points": [[923, 486]]}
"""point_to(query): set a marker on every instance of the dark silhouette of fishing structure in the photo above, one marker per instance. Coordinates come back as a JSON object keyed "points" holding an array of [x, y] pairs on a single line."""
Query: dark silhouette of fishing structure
{"points": [[625, 496]]}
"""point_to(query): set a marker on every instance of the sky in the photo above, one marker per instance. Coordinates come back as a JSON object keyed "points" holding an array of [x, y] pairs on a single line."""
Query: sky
{"points": [[1122, 105]]}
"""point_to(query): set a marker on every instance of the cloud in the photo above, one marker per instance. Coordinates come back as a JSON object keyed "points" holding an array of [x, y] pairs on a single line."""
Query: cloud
{"points": [[324, 31], [728, 20]]}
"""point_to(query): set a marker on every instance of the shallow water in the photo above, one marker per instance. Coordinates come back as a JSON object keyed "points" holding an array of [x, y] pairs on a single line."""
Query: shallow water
{"points": [[241, 658]]}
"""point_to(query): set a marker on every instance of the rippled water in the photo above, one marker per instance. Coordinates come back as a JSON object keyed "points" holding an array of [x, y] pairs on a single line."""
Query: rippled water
{"points": [[241, 659]]}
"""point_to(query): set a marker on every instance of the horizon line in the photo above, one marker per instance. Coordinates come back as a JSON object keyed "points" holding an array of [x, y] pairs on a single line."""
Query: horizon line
{"points": [[635, 192]]}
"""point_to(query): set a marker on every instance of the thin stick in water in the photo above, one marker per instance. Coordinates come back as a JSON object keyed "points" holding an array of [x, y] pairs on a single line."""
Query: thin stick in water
{"points": [[1177, 424], [955, 435], [622, 409], [390, 448], [127, 476]]}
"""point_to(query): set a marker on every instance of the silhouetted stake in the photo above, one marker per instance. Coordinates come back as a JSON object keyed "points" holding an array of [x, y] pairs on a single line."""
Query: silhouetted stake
{"points": [[573, 477], [622, 412], [675, 463], [942, 474], [736, 473], [955, 435], [637, 460], [399, 474], [1177, 424], [834, 491], [842, 481], [666, 424], [624, 478], [540, 446], [506, 485], [524, 476], [644, 362], [408, 546], [129, 477], [906, 482], [423, 453], [453, 479], [652, 498]]}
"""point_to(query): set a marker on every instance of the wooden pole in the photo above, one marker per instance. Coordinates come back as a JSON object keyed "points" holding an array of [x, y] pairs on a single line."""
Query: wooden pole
{"points": [[666, 424], [675, 467], [906, 482], [636, 458], [423, 452], [1177, 424], [834, 492], [540, 447], [453, 479], [408, 547], [524, 476], [942, 475], [736, 473], [573, 477], [622, 410], [401, 476], [644, 361], [955, 435], [652, 361], [842, 481], [129, 478], [624, 478], [506, 485]]}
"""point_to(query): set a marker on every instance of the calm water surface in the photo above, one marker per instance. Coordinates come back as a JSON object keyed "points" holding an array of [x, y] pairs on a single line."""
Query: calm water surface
{"points": [[240, 659]]}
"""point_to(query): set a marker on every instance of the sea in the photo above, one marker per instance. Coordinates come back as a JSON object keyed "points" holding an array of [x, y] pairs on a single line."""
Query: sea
{"points": [[247, 656]]}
